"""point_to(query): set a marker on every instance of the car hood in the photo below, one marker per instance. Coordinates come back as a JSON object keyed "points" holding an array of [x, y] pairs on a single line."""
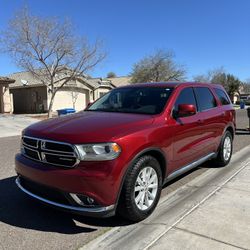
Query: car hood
{"points": [[88, 126]]}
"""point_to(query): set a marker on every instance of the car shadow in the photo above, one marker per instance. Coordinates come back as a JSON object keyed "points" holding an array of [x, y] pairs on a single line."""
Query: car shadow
{"points": [[18, 209]]}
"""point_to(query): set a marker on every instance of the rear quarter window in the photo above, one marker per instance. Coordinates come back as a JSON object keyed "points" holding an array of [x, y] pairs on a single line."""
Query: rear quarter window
{"points": [[222, 96]]}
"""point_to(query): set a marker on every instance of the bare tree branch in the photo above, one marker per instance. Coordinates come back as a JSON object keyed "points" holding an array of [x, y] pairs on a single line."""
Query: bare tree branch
{"points": [[49, 50], [158, 67]]}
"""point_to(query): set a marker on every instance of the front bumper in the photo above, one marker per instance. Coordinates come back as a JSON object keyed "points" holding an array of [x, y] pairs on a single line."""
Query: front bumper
{"points": [[90, 211], [99, 181]]}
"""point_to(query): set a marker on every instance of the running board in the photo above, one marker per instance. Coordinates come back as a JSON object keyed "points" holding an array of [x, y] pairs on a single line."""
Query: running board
{"points": [[189, 167]]}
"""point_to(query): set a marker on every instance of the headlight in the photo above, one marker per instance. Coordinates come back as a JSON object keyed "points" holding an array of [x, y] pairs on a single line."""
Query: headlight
{"points": [[98, 152]]}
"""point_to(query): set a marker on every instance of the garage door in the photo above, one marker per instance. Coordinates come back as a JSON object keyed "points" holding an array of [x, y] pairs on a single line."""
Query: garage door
{"points": [[69, 99]]}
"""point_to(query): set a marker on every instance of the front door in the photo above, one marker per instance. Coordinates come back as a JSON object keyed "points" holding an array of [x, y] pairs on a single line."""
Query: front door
{"points": [[187, 132]]}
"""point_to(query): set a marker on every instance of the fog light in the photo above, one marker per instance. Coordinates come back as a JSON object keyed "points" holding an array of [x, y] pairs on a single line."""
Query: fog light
{"points": [[82, 199], [90, 201]]}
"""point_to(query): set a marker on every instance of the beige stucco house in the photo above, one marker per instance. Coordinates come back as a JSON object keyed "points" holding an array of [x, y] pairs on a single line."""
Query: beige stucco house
{"points": [[243, 94], [5, 97], [31, 96]]}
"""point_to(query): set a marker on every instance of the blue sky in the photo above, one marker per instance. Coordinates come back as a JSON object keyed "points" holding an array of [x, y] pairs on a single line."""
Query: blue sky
{"points": [[203, 34]]}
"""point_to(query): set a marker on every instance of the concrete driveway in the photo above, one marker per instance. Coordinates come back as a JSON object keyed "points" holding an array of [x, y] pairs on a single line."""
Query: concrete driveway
{"points": [[11, 125]]}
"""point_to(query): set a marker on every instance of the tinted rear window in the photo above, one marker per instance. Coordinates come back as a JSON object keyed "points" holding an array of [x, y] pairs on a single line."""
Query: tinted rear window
{"points": [[205, 98], [222, 96]]}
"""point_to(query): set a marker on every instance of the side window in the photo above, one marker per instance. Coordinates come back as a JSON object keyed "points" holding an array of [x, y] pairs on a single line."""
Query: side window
{"points": [[185, 97], [222, 96], [205, 98]]}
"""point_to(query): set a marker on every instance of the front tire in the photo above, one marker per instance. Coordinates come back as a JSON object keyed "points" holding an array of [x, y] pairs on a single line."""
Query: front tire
{"points": [[141, 190], [225, 150]]}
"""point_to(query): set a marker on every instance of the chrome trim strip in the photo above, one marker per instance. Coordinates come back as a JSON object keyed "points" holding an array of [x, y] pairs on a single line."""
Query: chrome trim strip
{"points": [[40, 139], [53, 164], [189, 167], [31, 149], [27, 145], [32, 158], [76, 199], [79, 209], [56, 151], [48, 153]]}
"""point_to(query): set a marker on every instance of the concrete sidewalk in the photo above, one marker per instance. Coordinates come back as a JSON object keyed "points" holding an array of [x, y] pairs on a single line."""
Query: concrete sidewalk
{"points": [[12, 125], [211, 212], [221, 221]]}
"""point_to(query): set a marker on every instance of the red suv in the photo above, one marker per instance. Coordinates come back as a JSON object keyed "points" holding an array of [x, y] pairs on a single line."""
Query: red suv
{"points": [[117, 154]]}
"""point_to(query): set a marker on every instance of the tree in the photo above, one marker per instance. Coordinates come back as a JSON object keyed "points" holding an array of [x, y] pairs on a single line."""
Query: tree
{"points": [[49, 50], [218, 76], [111, 75], [157, 67], [232, 85], [214, 75], [201, 78], [74, 96], [245, 87]]}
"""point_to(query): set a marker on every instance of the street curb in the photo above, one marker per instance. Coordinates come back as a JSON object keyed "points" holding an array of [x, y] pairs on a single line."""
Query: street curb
{"points": [[241, 156]]}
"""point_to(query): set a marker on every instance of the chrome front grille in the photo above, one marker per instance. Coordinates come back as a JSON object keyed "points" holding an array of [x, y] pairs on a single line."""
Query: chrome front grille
{"points": [[51, 152]]}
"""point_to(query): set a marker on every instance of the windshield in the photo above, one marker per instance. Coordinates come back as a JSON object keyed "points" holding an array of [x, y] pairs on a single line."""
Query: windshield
{"points": [[139, 100]]}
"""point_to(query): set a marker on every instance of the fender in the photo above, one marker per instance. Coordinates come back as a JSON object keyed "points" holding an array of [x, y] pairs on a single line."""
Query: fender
{"points": [[131, 163], [230, 126]]}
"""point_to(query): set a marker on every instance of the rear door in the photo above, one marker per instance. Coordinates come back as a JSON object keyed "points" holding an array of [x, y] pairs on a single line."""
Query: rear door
{"points": [[210, 118]]}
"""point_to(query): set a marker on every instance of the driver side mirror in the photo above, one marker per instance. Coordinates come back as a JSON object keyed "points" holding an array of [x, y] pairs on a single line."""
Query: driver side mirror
{"points": [[185, 110]]}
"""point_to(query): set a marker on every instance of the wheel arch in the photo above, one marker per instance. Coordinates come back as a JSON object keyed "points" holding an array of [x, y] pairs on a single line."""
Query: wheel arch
{"points": [[154, 152], [231, 130]]}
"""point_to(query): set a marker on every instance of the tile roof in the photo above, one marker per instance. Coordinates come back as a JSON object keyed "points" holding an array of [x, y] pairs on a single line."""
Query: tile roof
{"points": [[27, 79], [6, 80], [120, 81], [115, 81], [100, 82], [95, 82], [24, 79]]}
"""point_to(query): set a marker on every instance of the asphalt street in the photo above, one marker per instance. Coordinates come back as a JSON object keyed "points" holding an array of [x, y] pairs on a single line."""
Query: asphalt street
{"points": [[25, 224]]}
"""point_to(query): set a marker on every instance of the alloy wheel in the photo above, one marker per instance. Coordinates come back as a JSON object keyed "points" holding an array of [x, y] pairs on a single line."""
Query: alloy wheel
{"points": [[227, 148], [146, 186]]}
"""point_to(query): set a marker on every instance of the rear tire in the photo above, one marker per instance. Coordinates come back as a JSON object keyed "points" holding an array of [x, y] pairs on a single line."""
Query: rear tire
{"points": [[141, 190], [225, 150]]}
